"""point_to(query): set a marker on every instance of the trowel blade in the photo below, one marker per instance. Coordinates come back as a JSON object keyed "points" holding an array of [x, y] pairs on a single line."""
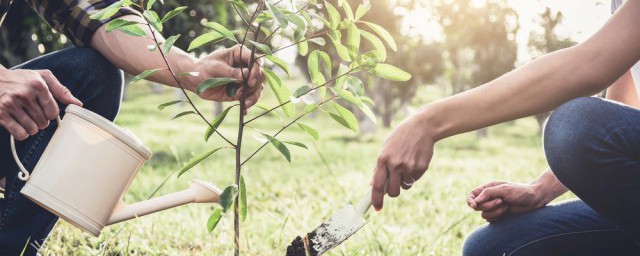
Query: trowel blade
{"points": [[336, 230]]}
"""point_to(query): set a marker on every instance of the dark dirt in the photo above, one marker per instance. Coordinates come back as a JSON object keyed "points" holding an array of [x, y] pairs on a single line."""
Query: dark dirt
{"points": [[300, 246]]}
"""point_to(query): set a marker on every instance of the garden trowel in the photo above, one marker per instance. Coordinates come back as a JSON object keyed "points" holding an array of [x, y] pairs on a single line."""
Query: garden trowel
{"points": [[334, 231]]}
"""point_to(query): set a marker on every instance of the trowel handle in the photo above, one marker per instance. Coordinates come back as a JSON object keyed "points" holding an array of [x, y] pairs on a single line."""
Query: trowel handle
{"points": [[23, 174], [365, 204]]}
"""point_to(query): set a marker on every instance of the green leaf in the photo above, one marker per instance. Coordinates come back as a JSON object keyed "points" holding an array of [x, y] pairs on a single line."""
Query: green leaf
{"points": [[303, 48], [222, 30], [166, 104], [334, 15], [144, 75], [298, 144], [342, 51], [279, 145], [375, 43], [231, 89], [309, 130], [227, 197], [353, 40], [264, 17], [367, 100], [355, 85], [262, 47], [265, 31], [153, 19], [310, 108], [114, 24], [262, 106], [241, 6], [390, 72], [382, 33], [196, 160], [183, 114], [341, 76], [150, 4], [344, 94], [132, 30], [344, 117], [107, 12], [173, 13], [280, 63], [327, 61], [214, 219], [280, 90], [216, 123], [301, 26], [242, 199], [362, 10], [367, 111], [168, 44], [369, 59], [347, 10], [280, 17], [213, 83], [317, 40], [314, 68], [301, 90], [204, 39]]}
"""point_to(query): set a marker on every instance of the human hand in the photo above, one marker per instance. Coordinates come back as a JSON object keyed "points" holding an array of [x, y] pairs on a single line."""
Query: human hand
{"points": [[404, 158], [27, 100], [232, 63], [498, 199]]}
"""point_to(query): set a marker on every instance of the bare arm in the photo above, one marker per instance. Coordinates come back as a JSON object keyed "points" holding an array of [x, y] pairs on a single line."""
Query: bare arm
{"points": [[130, 54], [539, 86]]}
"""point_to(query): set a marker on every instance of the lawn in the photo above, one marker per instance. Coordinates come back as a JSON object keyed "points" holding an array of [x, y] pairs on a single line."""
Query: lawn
{"points": [[286, 200]]}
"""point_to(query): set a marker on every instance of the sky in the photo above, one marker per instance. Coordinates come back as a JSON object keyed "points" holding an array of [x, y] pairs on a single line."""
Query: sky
{"points": [[582, 18]]}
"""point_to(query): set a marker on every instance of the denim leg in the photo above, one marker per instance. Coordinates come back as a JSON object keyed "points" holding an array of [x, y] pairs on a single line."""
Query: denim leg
{"points": [[567, 228], [98, 84], [593, 147]]}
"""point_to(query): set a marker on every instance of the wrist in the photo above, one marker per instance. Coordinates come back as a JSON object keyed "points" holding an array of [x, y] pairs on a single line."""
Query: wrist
{"points": [[430, 120], [186, 63], [543, 195]]}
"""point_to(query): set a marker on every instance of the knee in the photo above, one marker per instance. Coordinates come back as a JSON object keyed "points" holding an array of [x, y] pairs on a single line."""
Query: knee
{"points": [[479, 243], [101, 81], [569, 136]]}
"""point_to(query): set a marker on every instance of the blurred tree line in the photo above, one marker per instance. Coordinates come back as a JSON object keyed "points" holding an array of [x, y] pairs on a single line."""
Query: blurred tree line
{"points": [[476, 46]]}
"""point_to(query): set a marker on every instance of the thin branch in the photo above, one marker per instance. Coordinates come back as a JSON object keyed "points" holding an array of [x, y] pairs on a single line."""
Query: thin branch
{"points": [[296, 43], [242, 18], [289, 101], [282, 129], [155, 39]]}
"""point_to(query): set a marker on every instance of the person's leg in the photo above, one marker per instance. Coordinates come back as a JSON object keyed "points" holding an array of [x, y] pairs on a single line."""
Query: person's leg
{"points": [[593, 147], [568, 228], [98, 84]]}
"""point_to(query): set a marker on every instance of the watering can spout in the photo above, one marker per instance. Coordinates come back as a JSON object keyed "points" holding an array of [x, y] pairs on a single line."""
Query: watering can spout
{"points": [[198, 192]]}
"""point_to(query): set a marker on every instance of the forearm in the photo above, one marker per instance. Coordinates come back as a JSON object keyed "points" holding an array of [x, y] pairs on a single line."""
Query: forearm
{"points": [[543, 84], [548, 187], [130, 53], [624, 91]]}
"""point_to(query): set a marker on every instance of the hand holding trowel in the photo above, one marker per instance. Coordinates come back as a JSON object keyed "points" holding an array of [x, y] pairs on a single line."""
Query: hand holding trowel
{"points": [[332, 232]]}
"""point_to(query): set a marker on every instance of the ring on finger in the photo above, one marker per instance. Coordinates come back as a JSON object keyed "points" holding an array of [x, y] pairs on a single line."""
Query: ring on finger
{"points": [[408, 183]]}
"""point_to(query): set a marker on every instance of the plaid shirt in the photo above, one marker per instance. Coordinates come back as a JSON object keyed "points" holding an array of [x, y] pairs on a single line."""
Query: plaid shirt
{"points": [[70, 17]]}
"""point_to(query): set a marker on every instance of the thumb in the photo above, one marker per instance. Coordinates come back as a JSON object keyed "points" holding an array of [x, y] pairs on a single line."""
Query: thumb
{"points": [[59, 91]]}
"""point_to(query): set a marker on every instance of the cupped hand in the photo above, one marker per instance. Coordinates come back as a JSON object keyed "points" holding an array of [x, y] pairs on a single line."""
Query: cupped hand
{"points": [[404, 158], [27, 100], [231, 63], [498, 199]]}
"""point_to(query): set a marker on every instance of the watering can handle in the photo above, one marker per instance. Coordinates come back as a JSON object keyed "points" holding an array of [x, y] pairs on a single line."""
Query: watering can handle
{"points": [[23, 174]]}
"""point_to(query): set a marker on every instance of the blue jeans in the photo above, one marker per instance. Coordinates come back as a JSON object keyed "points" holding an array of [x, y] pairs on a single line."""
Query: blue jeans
{"points": [[593, 147], [95, 82]]}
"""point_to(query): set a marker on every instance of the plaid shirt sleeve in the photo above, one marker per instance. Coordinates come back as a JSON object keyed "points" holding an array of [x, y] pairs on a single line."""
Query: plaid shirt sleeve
{"points": [[71, 17]]}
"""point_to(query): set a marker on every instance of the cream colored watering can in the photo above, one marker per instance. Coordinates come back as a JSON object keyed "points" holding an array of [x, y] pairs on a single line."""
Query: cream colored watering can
{"points": [[86, 169]]}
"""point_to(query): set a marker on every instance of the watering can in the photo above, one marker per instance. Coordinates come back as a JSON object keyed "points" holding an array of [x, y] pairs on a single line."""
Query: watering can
{"points": [[87, 167]]}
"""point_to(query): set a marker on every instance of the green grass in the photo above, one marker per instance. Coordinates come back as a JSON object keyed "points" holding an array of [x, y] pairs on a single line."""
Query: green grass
{"points": [[286, 200]]}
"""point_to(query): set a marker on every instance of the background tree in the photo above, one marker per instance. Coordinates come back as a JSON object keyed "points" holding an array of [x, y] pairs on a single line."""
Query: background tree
{"points": [[546, 40], [479, 42]]}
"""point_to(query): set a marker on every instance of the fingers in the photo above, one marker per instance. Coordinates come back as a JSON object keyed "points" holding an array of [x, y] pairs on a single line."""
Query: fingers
{"points": [[490, 205], [489, 194], [394, 182], [240, 55], [25, 121], [36, 113], [495, 214], [14, 128], [379, 180], [252, 99], [58, 90]]}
